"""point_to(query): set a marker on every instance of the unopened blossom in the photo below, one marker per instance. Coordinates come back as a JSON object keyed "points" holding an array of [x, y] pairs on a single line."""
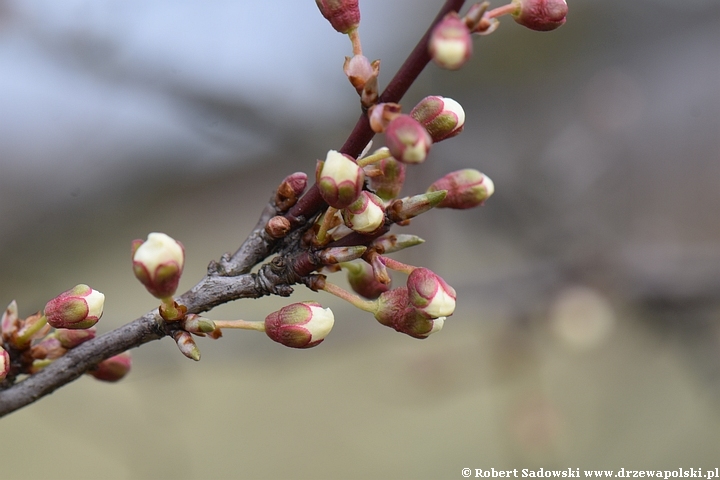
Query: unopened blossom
{"points": [[340, 180], [541, 15], [343, 15], [300, 325], [4, 363], [407, 140], [465, 188], [80, 307], [394, 310], [113, 368], [442, 117], [450, 44], [363, 281], [158, 264], [290, 190], [366, 214], [430, 294], [72, 338]]}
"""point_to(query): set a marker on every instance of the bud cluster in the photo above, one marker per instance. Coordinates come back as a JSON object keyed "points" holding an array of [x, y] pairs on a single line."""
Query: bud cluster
{"points": [[67, 321]]}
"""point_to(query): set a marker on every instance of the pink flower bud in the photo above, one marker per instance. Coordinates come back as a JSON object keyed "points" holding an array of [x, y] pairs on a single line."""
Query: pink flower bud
{"points": [[366, 214], [300, 325], [4, 363], [80, 307], [72, 338], [395, 311], [340, 180], [113, 369], [290, 190], [361, 72], [442, 117], [450, 43], [541, 15], [429, 293], [381, 115], [343, 15], [465, 188], [362, 280], [390, 179], [407, 140], [158, 264]]}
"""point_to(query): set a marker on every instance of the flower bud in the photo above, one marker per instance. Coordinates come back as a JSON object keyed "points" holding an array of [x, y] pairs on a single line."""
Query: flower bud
{"points": [[343, 15], [72, 338], [389, 182], [278, 226], [10, 322], [442, 117], [362, 280], [465, 188], [541, 15], [113, 368], [381, 114], [366, 214], [418, 325], [340, 180], [300, 325], [4, 363], [290, 190], [407, 140], [158, 264], [450, 43], [395, 311], [429, 293], [80, 307]]}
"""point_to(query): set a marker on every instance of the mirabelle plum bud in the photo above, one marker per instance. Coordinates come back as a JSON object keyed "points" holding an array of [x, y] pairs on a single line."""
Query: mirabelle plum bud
{"points": [[466, 188], [300, 325], [442, 117], [450, 44], [540, 15], [158, 264], [113, 368], [362, 280], [72, 338], [407, 140], [340, 180], [395, 311], [430, 294], [343, 15], [366, 214], [80, 307], [4, 363]]}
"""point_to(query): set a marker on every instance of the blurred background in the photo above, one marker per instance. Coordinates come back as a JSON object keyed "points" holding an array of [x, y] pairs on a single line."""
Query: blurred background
{"points": [[586, 333]]}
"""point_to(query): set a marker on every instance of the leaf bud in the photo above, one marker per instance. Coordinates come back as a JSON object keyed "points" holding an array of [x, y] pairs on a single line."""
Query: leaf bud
{"points": [[450, 44], [465, 188], [395, 242], [340, 180], [407, 140], [278, 226], [442, 117], [290, 190], [540, 15], [80, 307], [113, 368], [366, 214], [335, 255], [187, 345], [409, 207], [10, 322], [389, 180], [158, 264], [300, 325]]}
